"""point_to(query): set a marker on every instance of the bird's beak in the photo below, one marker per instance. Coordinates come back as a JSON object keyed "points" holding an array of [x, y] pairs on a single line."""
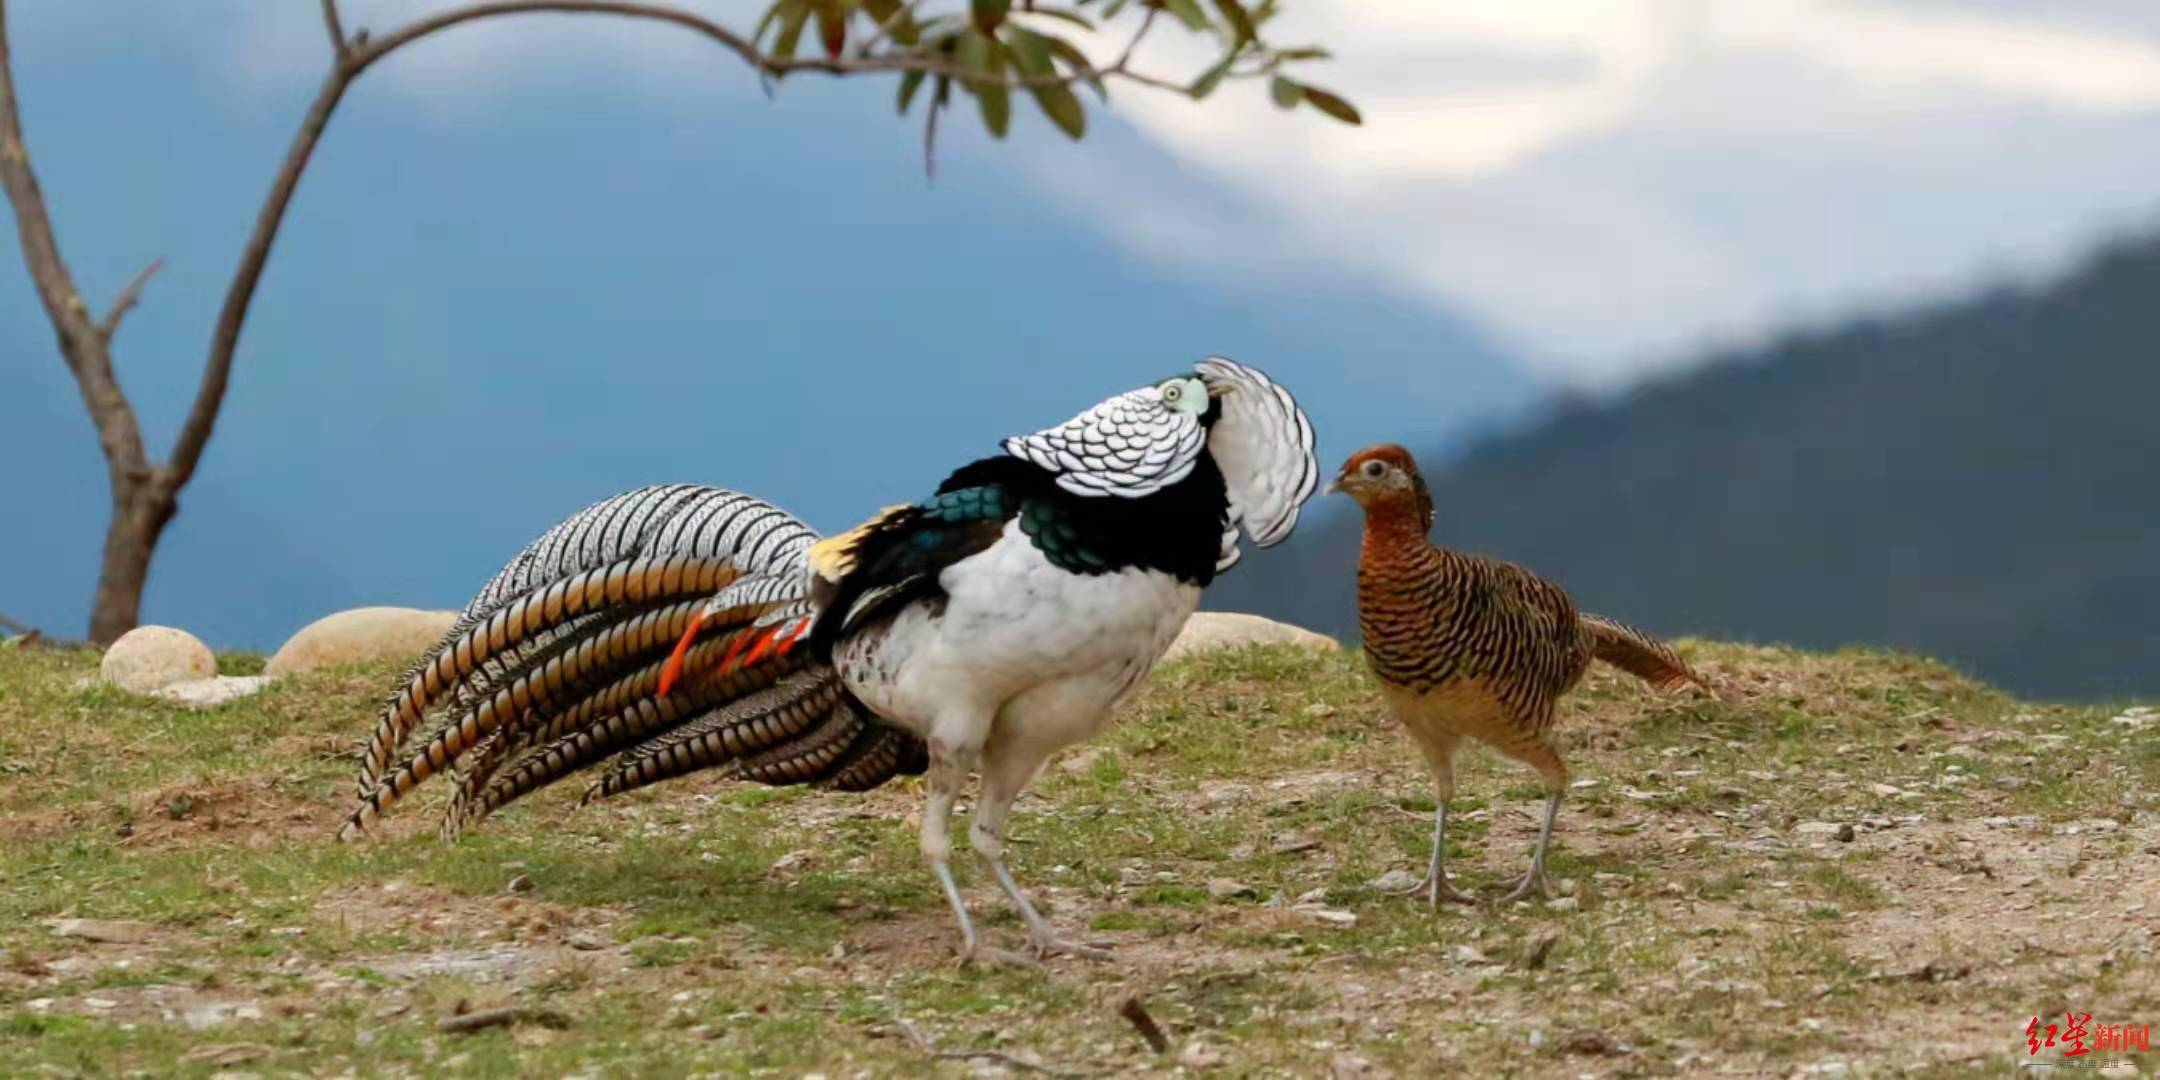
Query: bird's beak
{"points": [[1332, 487]]}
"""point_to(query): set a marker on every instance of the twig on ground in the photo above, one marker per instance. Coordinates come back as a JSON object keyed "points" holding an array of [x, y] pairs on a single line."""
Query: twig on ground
{"points": [[922, 1042], [467, 1023], [1136, 1014], [1930, 972]]}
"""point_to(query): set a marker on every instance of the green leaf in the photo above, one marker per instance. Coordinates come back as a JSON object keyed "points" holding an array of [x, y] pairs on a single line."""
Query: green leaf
{"points": [[1333, 106], [909, 83], [1110, 12], [1188, 11], [1241, 24], [1063, 109], [1286, 93], [996, 103], [986, 55], [1212, 77], [989, 13], [905, 29], [1030, 51], [971, 51], [791, 28], [772, 15], [832, 22], [1077, 61], [1067, 14]]}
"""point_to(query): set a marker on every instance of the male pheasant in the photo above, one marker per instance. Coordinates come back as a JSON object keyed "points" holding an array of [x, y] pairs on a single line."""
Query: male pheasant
{"points": [[1470, 646], [982, 628]]}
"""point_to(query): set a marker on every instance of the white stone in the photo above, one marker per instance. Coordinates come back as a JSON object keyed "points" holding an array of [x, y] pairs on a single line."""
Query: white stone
{"points": [[1210, 630], [1397, 880], [152, 657], [1229, 889], [359, 636], [213, 691]]}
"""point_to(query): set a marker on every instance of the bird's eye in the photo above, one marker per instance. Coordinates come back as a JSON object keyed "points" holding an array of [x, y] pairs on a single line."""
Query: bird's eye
{"points": [[1172, 392], [1373, 469]]}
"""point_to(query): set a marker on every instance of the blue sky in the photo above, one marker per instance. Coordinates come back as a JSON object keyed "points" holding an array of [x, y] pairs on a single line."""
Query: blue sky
{"points": [[536, 263], [479, 319]]}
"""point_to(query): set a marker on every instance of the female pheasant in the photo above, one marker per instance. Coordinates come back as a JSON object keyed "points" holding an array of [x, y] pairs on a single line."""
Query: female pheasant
{"points": [[1469, 646], [982, 628]]}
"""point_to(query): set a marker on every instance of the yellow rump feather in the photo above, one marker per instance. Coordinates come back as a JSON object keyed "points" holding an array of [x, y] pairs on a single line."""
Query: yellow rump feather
{"points": [[833, 557]]}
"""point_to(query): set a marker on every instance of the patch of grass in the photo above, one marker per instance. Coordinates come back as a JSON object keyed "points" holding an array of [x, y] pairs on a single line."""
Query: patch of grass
{"points": [[701, 927]]}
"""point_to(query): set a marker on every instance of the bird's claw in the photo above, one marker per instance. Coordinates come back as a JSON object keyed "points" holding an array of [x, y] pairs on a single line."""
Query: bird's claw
{"points": [[1045, 946], [1435, 890], [1534, 881], [990, 956]]}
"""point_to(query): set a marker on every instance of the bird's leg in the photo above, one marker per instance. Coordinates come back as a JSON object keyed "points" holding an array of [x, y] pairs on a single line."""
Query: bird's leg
{"points": [[1538, 753], [1534, 880], [1007, 768], [1440, 754], [948, 770], [1436, 886]]}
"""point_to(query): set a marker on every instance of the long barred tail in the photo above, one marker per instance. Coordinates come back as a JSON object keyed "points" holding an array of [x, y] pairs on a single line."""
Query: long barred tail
{"points": [[1639, 654], [557, 665]]}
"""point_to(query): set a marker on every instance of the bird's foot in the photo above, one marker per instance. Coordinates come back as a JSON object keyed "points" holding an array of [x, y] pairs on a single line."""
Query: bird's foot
{"points": [[1434, 889], [1444, 889], [975, 955], [1045, 946], [1532, 882]]}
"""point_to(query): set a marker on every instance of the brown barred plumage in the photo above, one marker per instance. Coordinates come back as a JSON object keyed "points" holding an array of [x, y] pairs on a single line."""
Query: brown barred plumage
{"points": [[556, 666], [1469, 646]]}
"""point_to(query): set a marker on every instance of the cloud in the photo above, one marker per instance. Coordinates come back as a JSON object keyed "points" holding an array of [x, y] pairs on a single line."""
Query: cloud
{"points": [[1606, 186], [1610, 187]]}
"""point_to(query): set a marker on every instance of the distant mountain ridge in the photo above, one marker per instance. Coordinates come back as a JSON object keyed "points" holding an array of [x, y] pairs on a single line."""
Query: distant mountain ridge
{"points": [[1978, 480]]}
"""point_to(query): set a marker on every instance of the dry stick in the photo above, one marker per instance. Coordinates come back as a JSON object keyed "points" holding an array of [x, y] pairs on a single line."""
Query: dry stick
{"points": [[467, 1023], [1137, 1015], [922, 1042]]}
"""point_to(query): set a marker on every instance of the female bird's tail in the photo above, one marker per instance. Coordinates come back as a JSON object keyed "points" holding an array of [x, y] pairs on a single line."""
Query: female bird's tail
{"points": [[1639, 654], [654, 629]]}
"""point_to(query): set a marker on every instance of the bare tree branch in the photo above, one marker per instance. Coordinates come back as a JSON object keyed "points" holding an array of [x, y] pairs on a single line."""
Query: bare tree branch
{"points": [[144, 493], [363, 53], [55, 285], [338, 45], [746, 50], [1147, 23], [127, 300], [217, 369], [81, 346]]}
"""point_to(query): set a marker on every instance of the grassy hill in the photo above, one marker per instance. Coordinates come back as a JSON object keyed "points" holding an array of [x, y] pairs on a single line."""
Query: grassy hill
{"points": [[1973, 481], [1998, 864]]}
